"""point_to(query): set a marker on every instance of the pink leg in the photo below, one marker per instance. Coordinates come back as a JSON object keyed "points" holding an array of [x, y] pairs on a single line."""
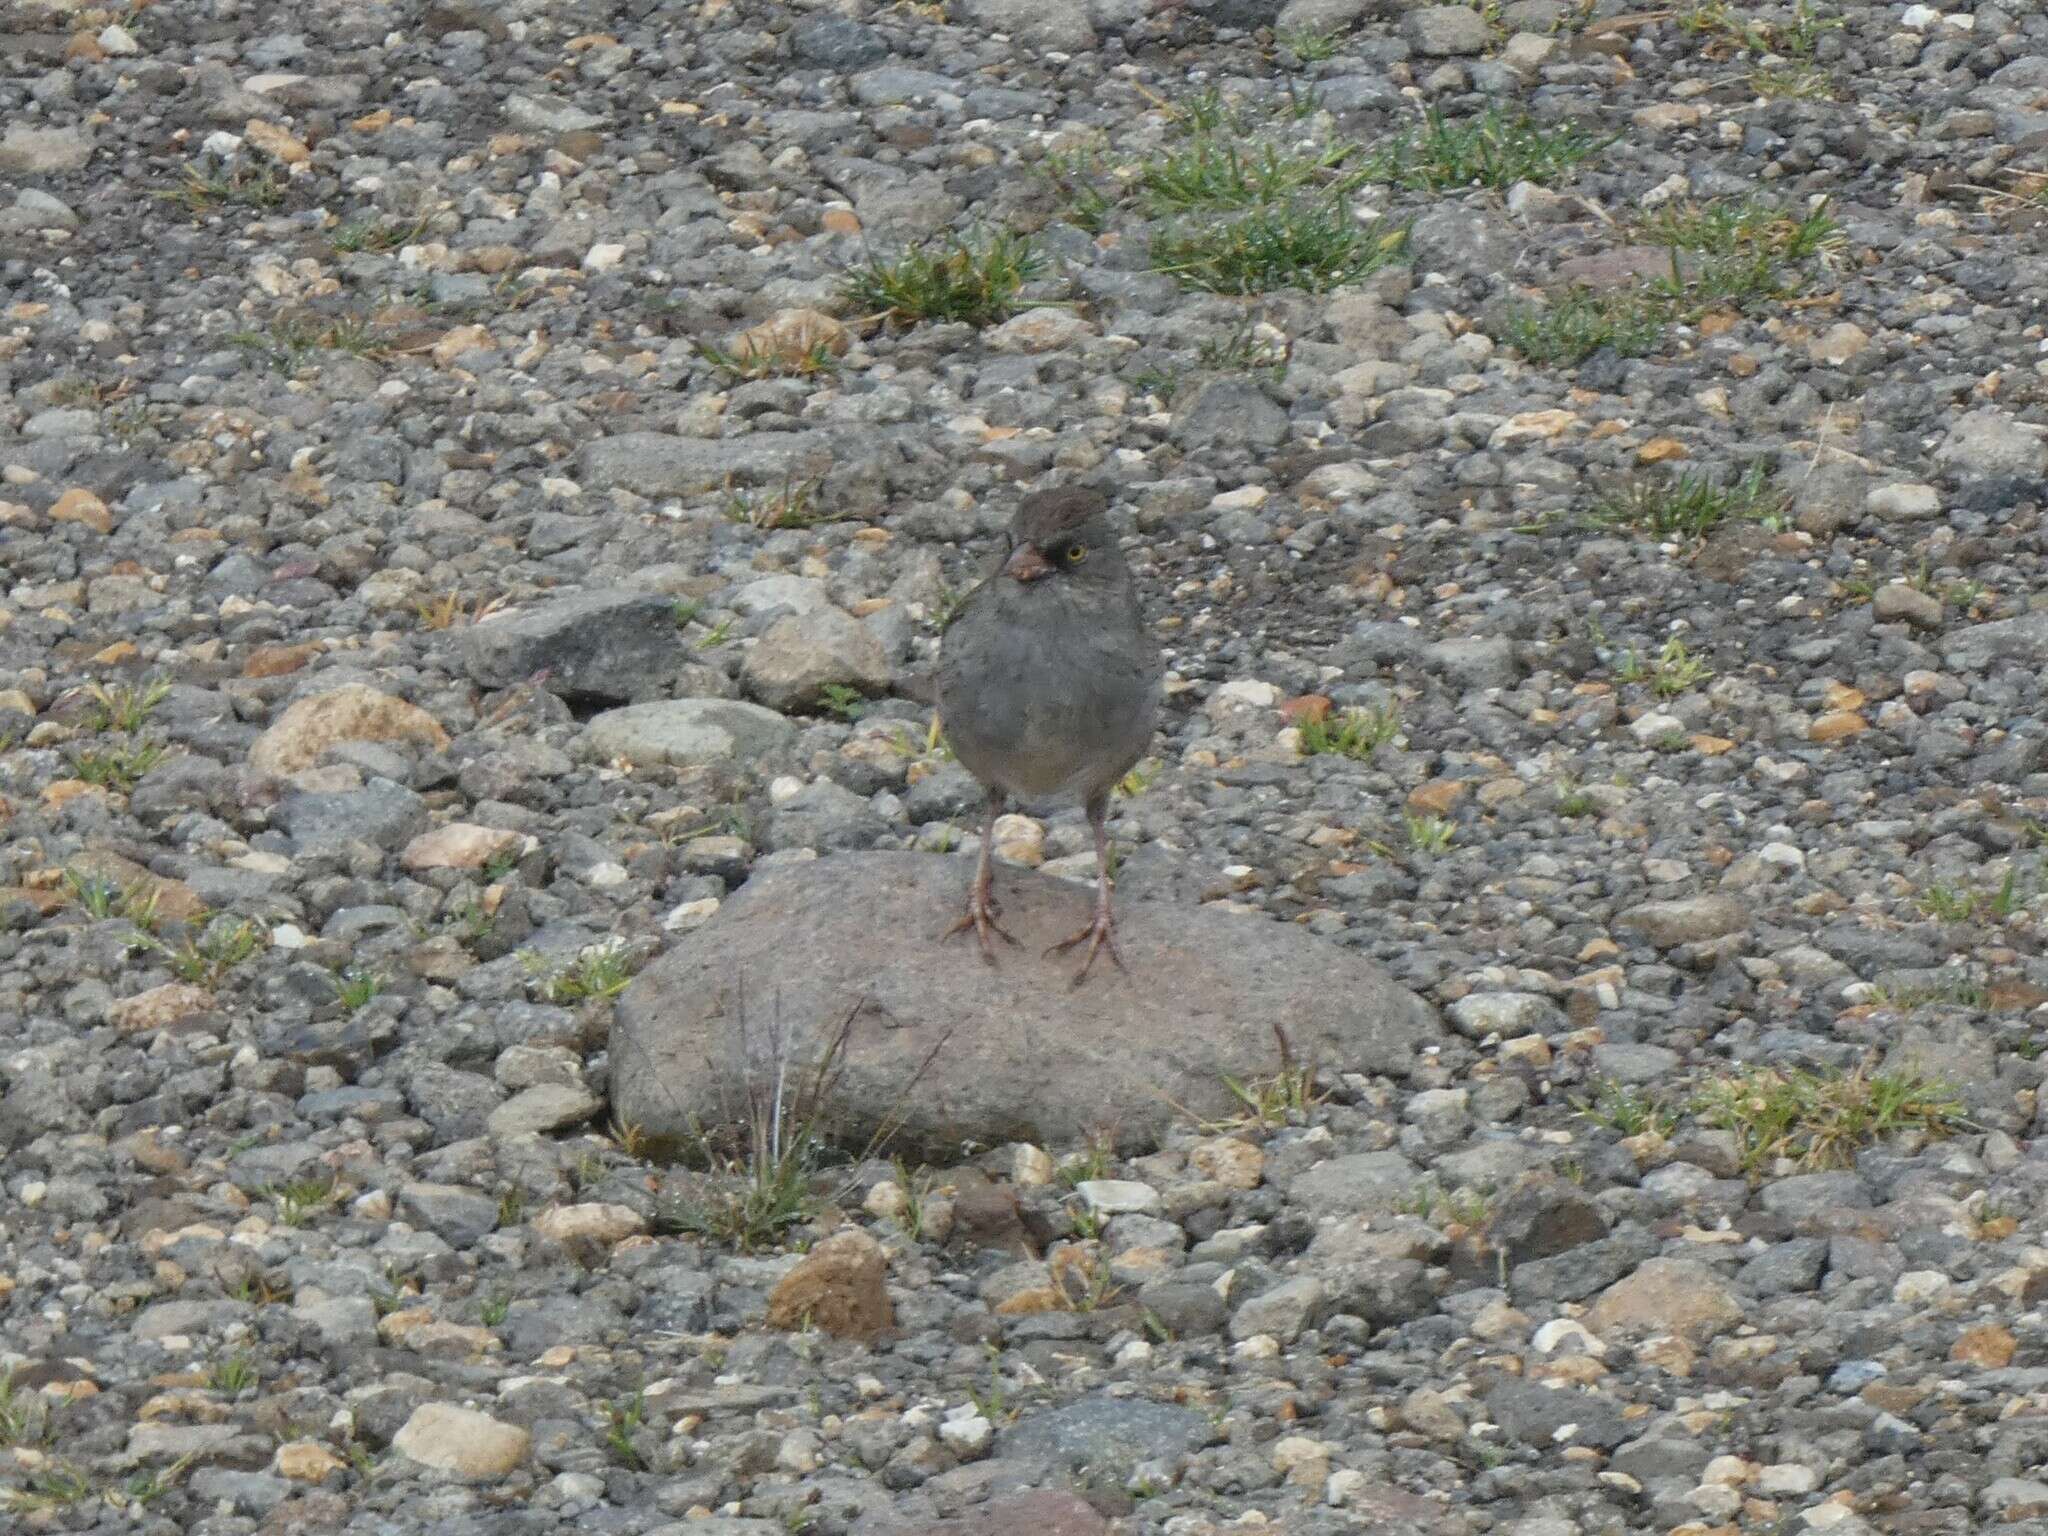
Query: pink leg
{"points": [[1100, 934], [982, 910]]}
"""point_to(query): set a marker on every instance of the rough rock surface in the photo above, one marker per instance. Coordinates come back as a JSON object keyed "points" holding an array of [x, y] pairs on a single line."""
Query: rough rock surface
{"points": [[941, 1044]]}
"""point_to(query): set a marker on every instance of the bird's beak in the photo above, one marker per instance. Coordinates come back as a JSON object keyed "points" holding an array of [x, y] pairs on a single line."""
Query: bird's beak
{"points": [[1026, 564]]}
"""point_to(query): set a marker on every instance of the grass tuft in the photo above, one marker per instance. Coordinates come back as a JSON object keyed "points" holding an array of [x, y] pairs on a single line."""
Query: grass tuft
{"points": [[295, 338], [623, 1420], [1307, 44], [765, 363], [793, 505], [1570, 327], [1314, 246], [301, 1199], [1354, 733], [370, 232], [1731, 255], [1209, 173], [1428, 836], [125, 707], [1671, 672], [1690, 506], [354, 988], [207, 960], [116, 766], [233, 1376], [1822, 1119], [199, 191], [1489, 150], [760, 1161], [599, 973], [1627, 1110], [24, 1419], [1464, 1206], [973, 281]]}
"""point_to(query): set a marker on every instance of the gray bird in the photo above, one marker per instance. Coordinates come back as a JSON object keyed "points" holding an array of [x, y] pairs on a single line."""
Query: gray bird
{"points": [[1048, 685]]}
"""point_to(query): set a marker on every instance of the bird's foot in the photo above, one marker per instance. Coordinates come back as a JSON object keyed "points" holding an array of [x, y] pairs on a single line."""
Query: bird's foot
{"points": [[1100, 935], [981, 914]]}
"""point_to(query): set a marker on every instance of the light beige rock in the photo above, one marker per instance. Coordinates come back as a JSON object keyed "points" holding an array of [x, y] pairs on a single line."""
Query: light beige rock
{"points": [[790, 338], [1838, 344], [79, 505], [461, 1441], [460, 845], [1048, 329], [280, 144], [353, 713], [593, 1222], [306, 1461], [158, 1008], [463, 338], [1666, 1296], [543, 1107]]}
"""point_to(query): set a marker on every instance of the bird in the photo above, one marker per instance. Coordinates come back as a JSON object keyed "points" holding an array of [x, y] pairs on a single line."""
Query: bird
{"points": [[1048, 689]]}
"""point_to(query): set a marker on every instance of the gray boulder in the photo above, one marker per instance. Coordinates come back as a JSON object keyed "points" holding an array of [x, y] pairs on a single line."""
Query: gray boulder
{"points": [[1014, 1052]]}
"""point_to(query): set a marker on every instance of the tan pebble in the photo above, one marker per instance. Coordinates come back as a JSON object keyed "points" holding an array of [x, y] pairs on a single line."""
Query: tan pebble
{"points": [[278, 143], [79, 505]]}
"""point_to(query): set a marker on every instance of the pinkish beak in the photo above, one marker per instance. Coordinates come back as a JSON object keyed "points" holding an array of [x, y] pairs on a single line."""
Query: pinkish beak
{"points": [[1026, 564]]}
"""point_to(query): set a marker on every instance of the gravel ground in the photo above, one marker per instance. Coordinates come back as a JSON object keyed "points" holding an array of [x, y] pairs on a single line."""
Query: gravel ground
{"points": [[469, 494]]}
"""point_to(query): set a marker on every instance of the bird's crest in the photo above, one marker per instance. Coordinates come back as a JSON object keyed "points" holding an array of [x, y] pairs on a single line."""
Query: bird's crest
{"points": [[1044, 516]]}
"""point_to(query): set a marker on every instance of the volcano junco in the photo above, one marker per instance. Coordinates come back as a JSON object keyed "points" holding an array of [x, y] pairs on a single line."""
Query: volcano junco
{"points": [[1048, 685]]}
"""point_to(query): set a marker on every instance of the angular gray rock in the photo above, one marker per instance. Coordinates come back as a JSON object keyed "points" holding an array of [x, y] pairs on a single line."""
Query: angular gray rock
{"points": [[1057, 24], [658, 464], [606, 645], [1015, 1054], [1359, 1183], [1687, 920], [1444, 31], [800, 656], [2021, 639], [1104, 1434], [1230, 411], [686, 732], [1989, 442]]}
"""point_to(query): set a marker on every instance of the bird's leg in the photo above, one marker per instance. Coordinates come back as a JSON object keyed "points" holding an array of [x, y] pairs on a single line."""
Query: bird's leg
{"points": [[1101, 933], [982, 910]]}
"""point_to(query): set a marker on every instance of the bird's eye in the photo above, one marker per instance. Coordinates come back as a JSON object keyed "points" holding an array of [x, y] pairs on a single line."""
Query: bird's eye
{"points": [[1075, 554]]}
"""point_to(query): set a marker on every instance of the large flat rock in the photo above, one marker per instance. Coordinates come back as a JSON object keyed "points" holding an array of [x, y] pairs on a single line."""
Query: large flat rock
{"points": [[1025, 1057]]}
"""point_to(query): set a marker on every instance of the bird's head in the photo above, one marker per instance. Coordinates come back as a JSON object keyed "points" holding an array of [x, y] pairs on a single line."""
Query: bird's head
{"points": [[1061, 535]]}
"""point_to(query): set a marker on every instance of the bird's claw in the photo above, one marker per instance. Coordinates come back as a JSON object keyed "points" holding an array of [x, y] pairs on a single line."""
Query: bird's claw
{"points": [[1100, 935], [981, 914]]}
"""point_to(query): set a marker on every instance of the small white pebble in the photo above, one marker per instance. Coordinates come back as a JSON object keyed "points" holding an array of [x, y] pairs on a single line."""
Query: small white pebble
{"points": [[969, 1434]]}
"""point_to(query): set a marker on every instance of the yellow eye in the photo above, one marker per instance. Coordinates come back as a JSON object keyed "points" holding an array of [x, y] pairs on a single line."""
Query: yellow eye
{"points": [[1075, 554]]}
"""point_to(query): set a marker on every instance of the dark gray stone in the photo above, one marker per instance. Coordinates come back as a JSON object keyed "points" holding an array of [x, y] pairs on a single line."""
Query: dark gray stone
{"points": [[1105, 1435], [1230, 413], [602, 645], [835, 42], [1786, 1267], [450, 1211], [381, 813], [1535, 1414]]}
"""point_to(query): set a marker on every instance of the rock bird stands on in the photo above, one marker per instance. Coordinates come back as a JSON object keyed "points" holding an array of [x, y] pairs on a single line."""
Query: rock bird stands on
{"points": [[1048, 685]]}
